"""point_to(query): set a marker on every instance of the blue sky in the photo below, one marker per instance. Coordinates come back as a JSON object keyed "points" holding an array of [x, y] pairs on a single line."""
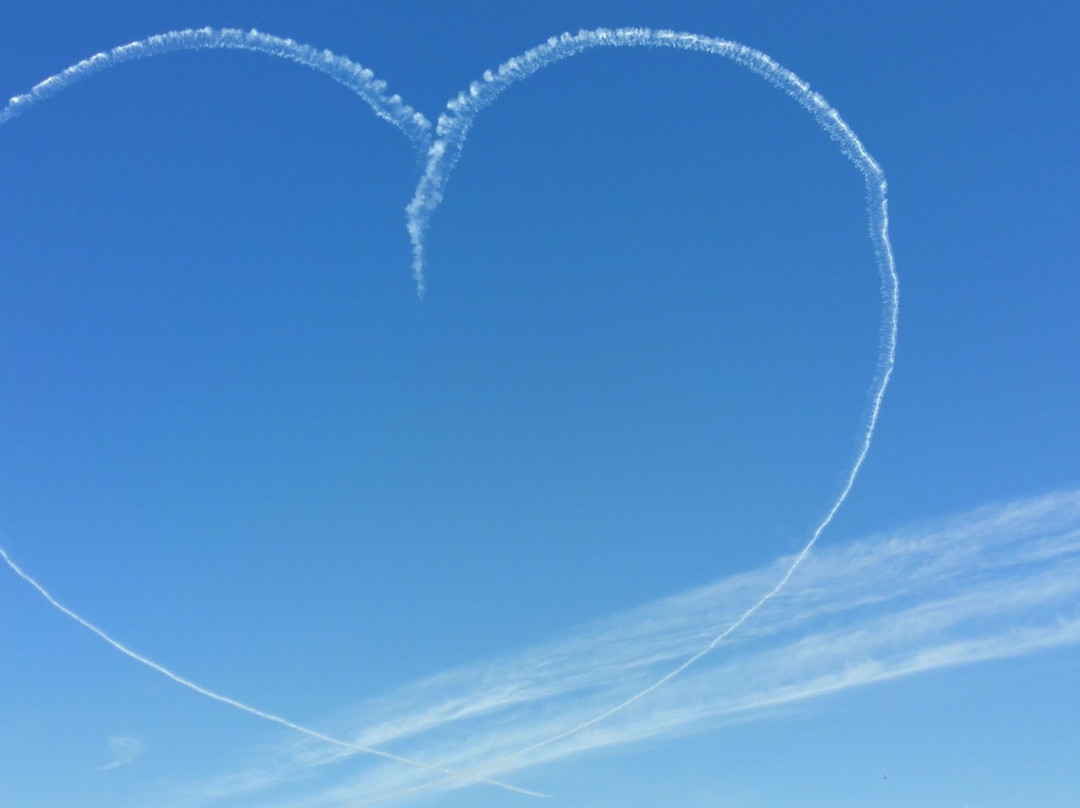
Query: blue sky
{"points": [[234, 438]]}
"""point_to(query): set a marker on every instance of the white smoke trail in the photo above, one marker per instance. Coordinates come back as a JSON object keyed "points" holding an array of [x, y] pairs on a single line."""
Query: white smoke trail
{"points": [[357, 78], [276, 719], [443, 154], [452, 129]]}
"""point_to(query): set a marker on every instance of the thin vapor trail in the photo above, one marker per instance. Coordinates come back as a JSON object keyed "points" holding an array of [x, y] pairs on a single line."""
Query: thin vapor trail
{"points": [[239, 705], [452, 129], [342, 70]]}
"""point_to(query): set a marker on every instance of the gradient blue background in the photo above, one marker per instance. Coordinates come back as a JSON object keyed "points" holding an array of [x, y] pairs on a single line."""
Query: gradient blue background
{"points": [[232, 435]]}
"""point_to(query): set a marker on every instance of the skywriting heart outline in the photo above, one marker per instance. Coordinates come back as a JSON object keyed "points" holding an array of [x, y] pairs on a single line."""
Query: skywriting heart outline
{"points": [[442, 153]]}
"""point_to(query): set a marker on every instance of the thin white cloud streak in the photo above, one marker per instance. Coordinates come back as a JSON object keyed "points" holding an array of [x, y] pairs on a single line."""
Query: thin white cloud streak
{"points": [[239, 705], [124, 749], [452, 130], [993, 583], [357, 78]]}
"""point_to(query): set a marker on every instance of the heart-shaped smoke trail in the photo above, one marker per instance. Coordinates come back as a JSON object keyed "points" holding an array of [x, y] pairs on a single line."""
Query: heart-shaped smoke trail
{"points": [[442, 155]]}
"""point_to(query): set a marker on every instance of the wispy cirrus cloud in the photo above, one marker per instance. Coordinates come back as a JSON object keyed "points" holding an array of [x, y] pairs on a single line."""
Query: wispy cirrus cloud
{"points": [[123, 749], [996, 582]]}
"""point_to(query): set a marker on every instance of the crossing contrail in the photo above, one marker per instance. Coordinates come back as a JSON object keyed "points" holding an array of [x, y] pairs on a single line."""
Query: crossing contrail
{"points": [[451, 131], [342, 70]]}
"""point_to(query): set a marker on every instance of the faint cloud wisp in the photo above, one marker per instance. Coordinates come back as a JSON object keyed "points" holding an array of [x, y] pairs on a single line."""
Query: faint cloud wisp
{"points": [[124, 749]]}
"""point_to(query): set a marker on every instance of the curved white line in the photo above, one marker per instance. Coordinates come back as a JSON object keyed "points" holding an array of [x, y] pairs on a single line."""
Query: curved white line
{"points": [[452, 129], [342, 70]]}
